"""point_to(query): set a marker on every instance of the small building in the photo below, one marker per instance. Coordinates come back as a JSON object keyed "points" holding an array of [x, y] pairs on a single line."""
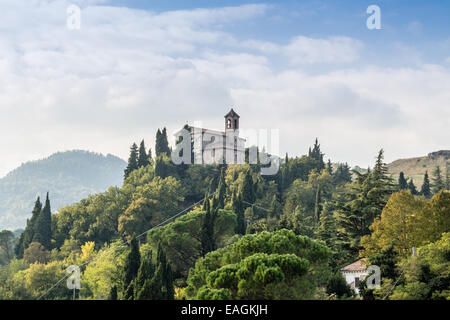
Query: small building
{"points": [[354, 273], [213, 146]]}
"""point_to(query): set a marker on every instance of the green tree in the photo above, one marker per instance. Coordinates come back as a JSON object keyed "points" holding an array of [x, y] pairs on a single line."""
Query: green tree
{"points": [[438, 183], [207, 233], [132, 160], [131, 269], [412, 187], [221, 190], [143, 157], [238, 208], [425, 190], [7, 243], [145, 274], [402, 183], [27, 236], [36, 252], [43, 226], [162, 144]]}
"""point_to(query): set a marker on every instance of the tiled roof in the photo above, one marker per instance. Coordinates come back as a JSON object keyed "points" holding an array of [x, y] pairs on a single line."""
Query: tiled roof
{"points": [[360, 265]]}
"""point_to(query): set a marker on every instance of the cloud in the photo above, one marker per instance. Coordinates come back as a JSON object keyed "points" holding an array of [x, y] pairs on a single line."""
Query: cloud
{"points": [[304, 50], [127, 72]]}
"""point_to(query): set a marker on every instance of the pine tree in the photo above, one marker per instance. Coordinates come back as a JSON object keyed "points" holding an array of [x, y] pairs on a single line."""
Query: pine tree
{"points": [[425, 190], [221, 190], [132, 263], [412, 187], [342, 174], [402, 183], [132, 161], [438, 182], [43, 226], [329, 167], [316, 154], [238, 208], [143, 158], [162, 144]]}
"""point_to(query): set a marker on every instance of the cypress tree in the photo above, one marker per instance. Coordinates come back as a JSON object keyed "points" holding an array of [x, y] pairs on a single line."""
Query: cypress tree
{"points": [[207, 232], [238, 208], [162, 144], [143, 159], [27, 236], [132, 160], [438, 182], [426, 190], [402, 183], [274, 208], [316, 154], [412, 187], [248, 194], [43, 226], [145, 273], [221, 190], [132, 263]]}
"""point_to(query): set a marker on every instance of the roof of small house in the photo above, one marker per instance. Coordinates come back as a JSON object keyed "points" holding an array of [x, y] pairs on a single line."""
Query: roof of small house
{"points": [[359, 265]]}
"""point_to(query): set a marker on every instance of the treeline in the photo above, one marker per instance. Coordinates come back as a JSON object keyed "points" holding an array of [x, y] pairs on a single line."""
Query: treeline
{"points": [[252, 237]]}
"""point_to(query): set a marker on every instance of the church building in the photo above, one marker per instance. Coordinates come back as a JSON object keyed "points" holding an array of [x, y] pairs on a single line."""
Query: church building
{"points": [[213, 146]]}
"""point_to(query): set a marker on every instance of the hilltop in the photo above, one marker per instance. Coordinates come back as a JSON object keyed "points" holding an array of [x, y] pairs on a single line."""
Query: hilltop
{"points": [[69, 177], [415, 167]]}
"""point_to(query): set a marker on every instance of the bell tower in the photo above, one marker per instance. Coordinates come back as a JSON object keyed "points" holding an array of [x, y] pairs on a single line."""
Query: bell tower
{"points": [[231, 120]]}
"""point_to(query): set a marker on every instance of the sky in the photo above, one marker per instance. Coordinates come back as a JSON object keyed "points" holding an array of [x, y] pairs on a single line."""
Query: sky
{"points": [[307, 68]]}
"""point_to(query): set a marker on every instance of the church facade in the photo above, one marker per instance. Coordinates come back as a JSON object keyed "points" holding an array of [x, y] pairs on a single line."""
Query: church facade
{"points": [[213, 146]]}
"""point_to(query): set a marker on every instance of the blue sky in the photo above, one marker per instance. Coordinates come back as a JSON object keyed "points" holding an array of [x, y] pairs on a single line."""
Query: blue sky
{"points": [[309, 68]]}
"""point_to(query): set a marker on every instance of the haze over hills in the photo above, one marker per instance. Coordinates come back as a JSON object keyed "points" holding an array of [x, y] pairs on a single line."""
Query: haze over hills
{"points": [[415, 167], [68, 176]]}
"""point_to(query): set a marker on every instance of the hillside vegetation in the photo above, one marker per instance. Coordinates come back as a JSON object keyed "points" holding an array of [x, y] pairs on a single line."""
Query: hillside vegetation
{"points": [[68, 177]]}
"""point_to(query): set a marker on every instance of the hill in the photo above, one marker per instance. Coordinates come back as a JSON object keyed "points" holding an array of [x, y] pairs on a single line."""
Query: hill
{"points": [[415, 167], [68, 176]]}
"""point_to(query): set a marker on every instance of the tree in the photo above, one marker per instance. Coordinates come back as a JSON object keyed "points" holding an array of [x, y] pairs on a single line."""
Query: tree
{"points": [[207, 233], [131, 269], [338, 286], [426, 190], [317, 155], [342, 174], [402, 183], [329, 167], [6, 243], [27, 236], [412, 187], [248, 192], [238, 208], [162, 144], [145, 273], [438, 182], [266, 265], [143, 157], [43, 227], [221, 190], [132, 160], [36, 252]]}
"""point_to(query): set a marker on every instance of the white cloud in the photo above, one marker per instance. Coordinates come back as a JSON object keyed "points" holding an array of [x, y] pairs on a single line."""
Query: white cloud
{"points": [[128, 72], [304, 50]]}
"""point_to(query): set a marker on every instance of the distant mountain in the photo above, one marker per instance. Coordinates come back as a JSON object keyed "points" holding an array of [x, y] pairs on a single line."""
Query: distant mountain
{"points": [[68, 176], [415, 167]]}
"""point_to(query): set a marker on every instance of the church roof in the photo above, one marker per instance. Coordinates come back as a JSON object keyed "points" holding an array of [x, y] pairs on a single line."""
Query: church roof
{"points": [[232, 113]]}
